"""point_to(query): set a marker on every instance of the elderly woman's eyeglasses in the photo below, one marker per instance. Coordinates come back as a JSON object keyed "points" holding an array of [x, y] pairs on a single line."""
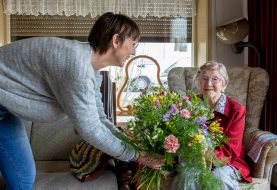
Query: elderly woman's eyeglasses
{"points": [[214, 80]]}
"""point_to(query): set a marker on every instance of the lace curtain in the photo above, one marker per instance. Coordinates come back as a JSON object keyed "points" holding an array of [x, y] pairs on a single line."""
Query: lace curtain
{"points": [[134, 8]]}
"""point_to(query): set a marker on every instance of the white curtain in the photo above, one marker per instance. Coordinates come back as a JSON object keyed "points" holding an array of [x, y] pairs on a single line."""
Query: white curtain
{"points": [[135, 8]]}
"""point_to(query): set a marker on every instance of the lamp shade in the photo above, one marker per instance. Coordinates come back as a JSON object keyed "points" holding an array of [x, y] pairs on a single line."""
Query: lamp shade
{"points": [[233, 32]]}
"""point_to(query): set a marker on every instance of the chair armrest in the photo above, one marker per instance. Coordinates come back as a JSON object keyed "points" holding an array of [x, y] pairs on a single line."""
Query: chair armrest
{"points": [[268, 155]]}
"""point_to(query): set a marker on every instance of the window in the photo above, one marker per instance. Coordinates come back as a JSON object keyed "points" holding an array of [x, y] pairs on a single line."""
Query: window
{"points": [[164, 39], [168, 40]]}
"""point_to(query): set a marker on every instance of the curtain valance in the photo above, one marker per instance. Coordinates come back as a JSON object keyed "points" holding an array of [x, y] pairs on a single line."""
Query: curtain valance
{"points": [[133, 8]]}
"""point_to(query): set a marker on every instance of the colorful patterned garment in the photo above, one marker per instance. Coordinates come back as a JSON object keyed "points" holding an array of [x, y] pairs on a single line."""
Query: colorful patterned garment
{"points": [[87, 162], [260, 140]]}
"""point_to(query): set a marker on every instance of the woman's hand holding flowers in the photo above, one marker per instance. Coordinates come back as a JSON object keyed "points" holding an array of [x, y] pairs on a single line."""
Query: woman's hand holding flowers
{"points": [[151, 160]]}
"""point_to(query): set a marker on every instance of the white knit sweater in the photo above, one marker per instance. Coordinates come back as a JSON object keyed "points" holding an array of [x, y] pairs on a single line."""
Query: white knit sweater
{"points": [[47, 79]]}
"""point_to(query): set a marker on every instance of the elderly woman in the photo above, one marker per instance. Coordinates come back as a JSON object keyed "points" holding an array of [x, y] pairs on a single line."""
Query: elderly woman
{"points": [[212, 79]]}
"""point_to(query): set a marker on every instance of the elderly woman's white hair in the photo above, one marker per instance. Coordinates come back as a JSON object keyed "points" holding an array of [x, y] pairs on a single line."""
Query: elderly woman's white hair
{"points": [[213, 65]]}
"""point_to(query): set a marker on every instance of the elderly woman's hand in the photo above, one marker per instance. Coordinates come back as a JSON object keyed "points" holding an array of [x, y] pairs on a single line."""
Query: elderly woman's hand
{"points": [[151, 160]]}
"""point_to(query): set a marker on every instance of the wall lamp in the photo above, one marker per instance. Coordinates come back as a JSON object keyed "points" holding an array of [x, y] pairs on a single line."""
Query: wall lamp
{"points": [[233, 33]]}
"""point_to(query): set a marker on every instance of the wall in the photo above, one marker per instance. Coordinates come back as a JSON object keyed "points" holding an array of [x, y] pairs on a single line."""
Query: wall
{"points": [[201, 34], [4, 24], [223, 11]]}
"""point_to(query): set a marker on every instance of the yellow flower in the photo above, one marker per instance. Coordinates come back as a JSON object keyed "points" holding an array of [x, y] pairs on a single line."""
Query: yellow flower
{"points": [[152, 98], [163, 99], [215, 127], [197, 138]]}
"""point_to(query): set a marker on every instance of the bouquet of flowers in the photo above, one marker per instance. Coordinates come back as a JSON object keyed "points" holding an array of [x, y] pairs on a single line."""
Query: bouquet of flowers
{"points": [[181, 129]]}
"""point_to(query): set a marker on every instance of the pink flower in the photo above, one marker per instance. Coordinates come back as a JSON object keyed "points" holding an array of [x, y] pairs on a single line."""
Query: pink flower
{"points": [[185, 113], [171, 144], [186, 98]]}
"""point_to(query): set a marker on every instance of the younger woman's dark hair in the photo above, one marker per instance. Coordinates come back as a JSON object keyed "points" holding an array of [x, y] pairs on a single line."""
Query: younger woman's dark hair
{"points": [[109, 24]]}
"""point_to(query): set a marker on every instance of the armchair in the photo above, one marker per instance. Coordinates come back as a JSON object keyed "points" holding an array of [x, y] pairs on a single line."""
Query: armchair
{"points": [[248, 86]]}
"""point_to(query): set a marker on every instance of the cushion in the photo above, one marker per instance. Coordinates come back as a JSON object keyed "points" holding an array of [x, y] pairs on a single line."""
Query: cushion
{"points": [[66, 181], [53, 141], [87, 162]]}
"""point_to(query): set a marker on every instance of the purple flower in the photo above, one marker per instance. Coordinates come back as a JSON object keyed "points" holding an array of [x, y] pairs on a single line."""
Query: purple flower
{"points": [[201, 121], [205, 129], [173, 108], [166, 117], [170, 110]]}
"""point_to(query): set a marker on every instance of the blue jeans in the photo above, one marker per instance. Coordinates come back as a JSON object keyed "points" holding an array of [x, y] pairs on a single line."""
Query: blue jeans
{"points": [[16, 161]]}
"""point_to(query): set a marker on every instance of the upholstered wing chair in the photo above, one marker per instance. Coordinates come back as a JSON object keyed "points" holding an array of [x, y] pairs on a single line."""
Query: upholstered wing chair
{"points": [[248, 86]]}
